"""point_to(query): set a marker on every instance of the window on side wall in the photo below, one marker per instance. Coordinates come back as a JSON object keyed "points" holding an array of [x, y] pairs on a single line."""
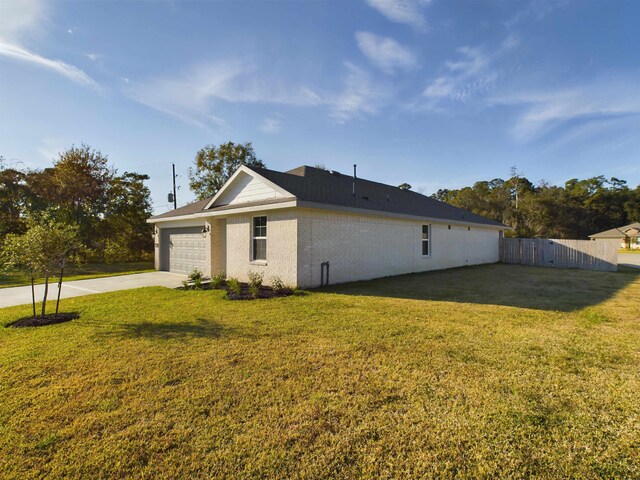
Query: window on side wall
{"points": [[426, 240], [259, 248]]}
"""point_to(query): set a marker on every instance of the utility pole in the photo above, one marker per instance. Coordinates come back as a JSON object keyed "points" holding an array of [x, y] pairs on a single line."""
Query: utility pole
{"points": [[171, 198], [175, 200]]}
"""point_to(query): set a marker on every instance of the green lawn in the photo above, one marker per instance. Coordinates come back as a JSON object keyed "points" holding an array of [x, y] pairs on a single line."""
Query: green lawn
{"points": [[624, 250], [80, 272], [485, 372]]}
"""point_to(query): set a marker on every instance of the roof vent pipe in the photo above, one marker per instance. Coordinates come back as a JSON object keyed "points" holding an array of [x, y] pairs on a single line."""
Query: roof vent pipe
{"points": [[353, 190]]}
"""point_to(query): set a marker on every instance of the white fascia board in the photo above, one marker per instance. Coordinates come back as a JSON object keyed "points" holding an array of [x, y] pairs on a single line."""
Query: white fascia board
{"points": [[248, 171], [379, 213], [227, 212], [253, 208], [179, 222], [173, 219]]}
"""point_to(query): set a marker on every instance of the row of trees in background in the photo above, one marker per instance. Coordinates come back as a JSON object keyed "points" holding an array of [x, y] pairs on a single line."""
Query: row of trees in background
{"points": [[575, 210], [110, 210], [81, 190]]}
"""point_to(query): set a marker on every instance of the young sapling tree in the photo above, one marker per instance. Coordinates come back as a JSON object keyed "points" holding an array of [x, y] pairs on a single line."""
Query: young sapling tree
{"points": [[43, 249]]}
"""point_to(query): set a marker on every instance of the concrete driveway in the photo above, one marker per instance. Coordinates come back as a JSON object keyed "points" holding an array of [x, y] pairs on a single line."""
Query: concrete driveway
{"points": [[629, 259], [21, 295]]}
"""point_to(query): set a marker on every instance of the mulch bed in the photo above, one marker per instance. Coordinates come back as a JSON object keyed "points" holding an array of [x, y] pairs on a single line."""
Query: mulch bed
{"points": [[245, 294], [48, 319], [265, 292]]}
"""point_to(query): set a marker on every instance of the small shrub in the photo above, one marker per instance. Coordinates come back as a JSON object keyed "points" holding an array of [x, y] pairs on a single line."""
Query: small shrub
{"points": [[194, 280], [195, 275], [277, 284], [217, 281], [255, 282], [255, 279], [233, 285]]}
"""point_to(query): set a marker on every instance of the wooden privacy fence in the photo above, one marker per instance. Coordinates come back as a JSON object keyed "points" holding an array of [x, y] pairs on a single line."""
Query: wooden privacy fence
{"points": [[544, 252]]}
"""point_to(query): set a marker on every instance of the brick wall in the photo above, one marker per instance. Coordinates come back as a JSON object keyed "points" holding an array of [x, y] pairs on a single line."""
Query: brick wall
{"points": [[282, 240], [361, 247]]}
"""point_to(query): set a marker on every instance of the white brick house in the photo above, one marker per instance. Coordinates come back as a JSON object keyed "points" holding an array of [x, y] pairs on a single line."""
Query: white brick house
{"points": [[288, 224]]}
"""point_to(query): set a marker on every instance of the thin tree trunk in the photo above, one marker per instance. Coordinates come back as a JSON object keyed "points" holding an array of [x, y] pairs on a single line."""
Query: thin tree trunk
{"points": [[46, 290], [33, 295], [59, 290]]}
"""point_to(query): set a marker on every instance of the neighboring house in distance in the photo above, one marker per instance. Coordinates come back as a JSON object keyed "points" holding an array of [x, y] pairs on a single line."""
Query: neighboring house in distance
{"points": [[287, 224], [629, 236]]}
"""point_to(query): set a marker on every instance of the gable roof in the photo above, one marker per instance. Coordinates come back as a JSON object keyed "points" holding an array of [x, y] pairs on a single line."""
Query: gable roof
{"points": [[317, 186], [321, 186], [633, 229]]}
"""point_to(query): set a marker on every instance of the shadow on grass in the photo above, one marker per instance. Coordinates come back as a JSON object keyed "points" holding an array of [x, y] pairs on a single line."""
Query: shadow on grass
{"points": [[498, 284], [202, 328]]}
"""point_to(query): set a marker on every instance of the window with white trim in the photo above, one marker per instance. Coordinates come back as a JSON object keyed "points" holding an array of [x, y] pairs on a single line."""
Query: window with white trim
{"points": [[426, 240], [259, 237]]}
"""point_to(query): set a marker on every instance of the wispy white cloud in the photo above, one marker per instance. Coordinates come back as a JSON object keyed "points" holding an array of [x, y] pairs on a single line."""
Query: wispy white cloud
{"points": [[188, 96], [385, 53], [21, 17], [472, 72], [473, 60], [361, 95], [544, 111], [92, 56], [271, 125], [402, 11], [195, 94], [535, 10], [24, 19], [592, 134], [192, 95], [439, 88], [16, 52]]}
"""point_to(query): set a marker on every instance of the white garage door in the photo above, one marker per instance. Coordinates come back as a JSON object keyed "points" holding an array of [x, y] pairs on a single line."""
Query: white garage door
{"points": [[187, 250]]}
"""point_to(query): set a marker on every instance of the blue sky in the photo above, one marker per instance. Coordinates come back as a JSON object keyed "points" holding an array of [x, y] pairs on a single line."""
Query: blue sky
{"points": [[437, 93]]}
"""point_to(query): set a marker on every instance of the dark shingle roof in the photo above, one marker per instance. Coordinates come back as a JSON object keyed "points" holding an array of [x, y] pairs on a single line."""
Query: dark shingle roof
{"points": [[309, 184], [195, 207], [321, 186]]}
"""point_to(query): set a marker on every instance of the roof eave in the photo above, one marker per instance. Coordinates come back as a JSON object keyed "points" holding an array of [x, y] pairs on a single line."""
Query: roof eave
{"points": [[383, 213], [240, 208], [324, 206]]}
